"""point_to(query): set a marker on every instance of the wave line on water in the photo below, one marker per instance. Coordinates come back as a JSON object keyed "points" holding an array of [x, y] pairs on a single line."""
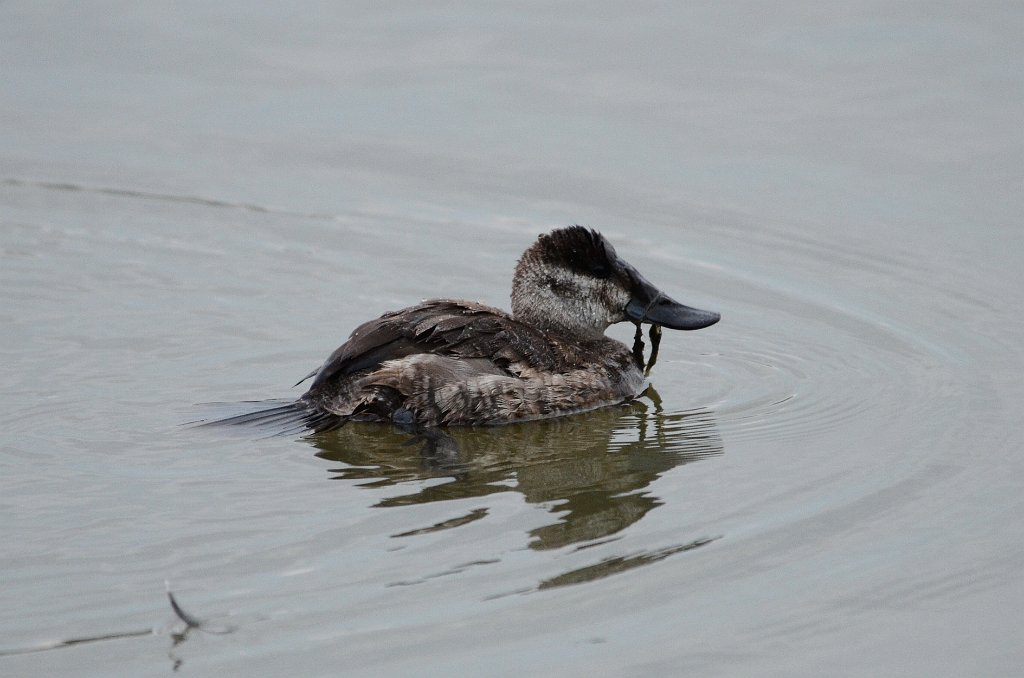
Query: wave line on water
{"points": [[165, 197]]}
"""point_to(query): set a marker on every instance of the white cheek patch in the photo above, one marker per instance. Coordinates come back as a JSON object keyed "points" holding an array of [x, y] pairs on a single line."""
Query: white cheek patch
{"points": [[556, 296]]}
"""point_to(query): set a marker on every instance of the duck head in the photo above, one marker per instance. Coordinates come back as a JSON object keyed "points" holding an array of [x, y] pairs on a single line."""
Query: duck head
{"points": [[572, 281]]}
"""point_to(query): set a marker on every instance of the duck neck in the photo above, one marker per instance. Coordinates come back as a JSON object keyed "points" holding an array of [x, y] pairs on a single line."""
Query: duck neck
{"points": [[553, 316]]}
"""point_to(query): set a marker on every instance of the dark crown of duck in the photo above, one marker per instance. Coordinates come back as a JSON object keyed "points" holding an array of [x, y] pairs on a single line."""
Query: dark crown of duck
{"points": [[572, 281]]}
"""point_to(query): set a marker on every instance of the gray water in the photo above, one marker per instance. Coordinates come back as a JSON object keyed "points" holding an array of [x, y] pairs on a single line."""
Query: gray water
{"points": [[199, 201]]}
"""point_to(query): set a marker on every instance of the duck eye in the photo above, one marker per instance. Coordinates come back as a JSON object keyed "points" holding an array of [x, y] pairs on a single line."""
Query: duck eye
{"points": [[600, 270], [560, 287]]}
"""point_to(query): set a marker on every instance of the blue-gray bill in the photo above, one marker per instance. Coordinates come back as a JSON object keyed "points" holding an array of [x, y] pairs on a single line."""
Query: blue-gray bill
{"points": [[650, 305]]}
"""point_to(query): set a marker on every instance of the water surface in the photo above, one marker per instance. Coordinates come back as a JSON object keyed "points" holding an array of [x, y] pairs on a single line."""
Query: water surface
{"points": [[198, 203]]}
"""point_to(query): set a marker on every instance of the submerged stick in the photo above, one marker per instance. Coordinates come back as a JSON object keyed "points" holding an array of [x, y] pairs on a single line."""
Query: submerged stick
{"points": [[191, 621]]}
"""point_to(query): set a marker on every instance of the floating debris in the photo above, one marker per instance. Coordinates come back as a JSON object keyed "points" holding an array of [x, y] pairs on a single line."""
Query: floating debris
{"points": [[193, 622]]}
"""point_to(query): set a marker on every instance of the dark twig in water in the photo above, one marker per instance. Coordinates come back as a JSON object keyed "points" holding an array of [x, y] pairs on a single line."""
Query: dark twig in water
{"points": [[193, 622], [189, 620]]}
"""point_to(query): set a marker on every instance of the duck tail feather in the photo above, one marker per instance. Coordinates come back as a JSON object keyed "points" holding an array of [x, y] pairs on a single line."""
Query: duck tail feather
{"points": [[294, 417]]}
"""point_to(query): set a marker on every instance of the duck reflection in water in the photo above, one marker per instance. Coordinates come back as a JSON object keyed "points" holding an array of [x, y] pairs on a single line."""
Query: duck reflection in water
{"points": [[591, 468]]}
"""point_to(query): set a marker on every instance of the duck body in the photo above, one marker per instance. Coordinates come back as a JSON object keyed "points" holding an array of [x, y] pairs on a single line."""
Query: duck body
{"points": [[449, 362]]}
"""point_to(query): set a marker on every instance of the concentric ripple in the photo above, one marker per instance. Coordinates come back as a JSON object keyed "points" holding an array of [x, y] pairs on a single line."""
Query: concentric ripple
{"points": [[792, 359]]}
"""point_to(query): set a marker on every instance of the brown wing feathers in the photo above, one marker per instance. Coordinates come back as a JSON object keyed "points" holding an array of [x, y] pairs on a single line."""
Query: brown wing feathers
{"points": [[443, 327]]}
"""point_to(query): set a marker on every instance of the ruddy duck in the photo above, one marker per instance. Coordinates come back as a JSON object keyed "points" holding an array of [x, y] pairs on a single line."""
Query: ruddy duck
{"points": [[446, 362]]}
